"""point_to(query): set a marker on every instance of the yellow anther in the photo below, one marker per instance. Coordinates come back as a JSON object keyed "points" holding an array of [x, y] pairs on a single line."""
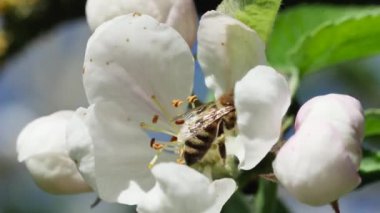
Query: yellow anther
{"points": [[192, 99], [179, 121], [157, 146], [155, 119], [181, 161], [163, 110], [176, 103], [136, 14]]}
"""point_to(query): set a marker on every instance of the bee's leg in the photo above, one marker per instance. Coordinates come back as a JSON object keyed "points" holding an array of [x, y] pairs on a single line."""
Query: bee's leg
{"points": [[222, 151], [219, 129], [220, 138]]}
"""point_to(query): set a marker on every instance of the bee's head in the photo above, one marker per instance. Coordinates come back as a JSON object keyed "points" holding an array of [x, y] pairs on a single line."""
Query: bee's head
{"points": [[227, 99]]}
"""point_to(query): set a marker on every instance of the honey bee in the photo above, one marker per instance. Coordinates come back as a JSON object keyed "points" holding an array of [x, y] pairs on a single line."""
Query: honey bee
{"points": [[204, 125]]}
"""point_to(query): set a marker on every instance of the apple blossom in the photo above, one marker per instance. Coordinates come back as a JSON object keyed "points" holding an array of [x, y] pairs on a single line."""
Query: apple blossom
{"points": [[136, 68], [179, 14], [172, 187], [42, 146], [319, 163]]}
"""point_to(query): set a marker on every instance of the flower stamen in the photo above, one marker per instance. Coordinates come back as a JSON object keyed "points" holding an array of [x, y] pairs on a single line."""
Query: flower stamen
{"points": [[176, 103], [179, 121], [153, 128], [153, 161], [155, 119], [191, 100], [181, 161], [162, 108], [152, 141], [136, 14], [159, 147]]}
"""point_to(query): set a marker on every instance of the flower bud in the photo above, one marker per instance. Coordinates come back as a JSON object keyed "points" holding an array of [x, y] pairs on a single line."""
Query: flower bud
{"points": [[319, 163], [42, 146]]}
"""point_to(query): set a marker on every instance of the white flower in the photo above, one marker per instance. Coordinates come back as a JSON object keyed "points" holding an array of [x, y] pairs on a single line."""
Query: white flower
{"points": [[187, 189], [179, 14], [319, 163], [135, 67], [42, 146]]}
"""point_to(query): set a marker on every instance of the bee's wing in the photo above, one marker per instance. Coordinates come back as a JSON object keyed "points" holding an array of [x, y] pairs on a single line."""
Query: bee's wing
{"points": [[205, 119], [196, 112], [216, 114]]}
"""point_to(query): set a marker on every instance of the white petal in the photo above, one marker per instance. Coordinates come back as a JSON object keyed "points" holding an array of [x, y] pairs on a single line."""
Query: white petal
{"points": [[80, 146], [262, 98], [183, 17], [234, 147], [342, 111], [42, 145], [227, 50], [181, 189], [132, 195], [224, 188], [133, 58], [122, 152], [100, 11], [314, 165]]}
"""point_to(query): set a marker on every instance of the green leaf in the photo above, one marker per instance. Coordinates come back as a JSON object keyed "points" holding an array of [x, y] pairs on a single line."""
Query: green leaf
{"points": [[370, 163], [257, 14], [370, 167], [372, 122], [260, 16], [311, 37], [339, 42], [237, 203]]}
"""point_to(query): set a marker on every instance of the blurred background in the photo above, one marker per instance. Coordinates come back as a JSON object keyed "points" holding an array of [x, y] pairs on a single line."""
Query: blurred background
{"points": [[42, 44]]}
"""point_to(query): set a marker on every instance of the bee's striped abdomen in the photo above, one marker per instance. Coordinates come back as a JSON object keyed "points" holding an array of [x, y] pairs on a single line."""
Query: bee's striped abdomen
{"points": [[197, 146]]}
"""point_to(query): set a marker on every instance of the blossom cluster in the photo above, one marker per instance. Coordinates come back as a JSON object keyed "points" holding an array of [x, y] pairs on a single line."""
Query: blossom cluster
{"points": [[138, 71]]}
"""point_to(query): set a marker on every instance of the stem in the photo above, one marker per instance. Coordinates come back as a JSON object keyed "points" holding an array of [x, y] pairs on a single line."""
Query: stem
{"points": [[294, 81], [335, 206], [266, 198]]}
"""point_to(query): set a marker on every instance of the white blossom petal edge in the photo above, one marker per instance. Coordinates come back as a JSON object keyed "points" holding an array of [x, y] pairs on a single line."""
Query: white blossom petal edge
{"points": [[42, 146], [182, 189], [181, 15], [262, 98], [319, 162], [227, 50], [80, 146]]}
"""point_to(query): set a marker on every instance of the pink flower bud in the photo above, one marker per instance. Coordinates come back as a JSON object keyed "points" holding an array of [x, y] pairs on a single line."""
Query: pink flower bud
{"points": [[319, 163]]}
